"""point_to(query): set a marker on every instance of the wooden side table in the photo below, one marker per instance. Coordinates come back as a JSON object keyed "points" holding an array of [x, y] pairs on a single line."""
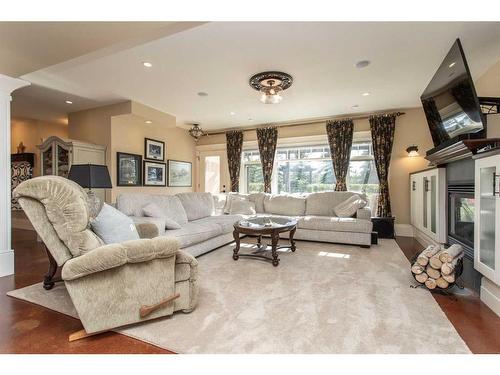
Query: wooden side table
{"points": [[384, 226]]}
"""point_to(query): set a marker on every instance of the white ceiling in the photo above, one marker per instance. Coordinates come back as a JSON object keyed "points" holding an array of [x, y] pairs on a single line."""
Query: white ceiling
{"points": [[218, 58]]}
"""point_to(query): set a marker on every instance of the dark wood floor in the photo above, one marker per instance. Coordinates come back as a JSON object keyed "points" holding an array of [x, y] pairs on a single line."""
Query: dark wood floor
{"points": [[28, 328]]}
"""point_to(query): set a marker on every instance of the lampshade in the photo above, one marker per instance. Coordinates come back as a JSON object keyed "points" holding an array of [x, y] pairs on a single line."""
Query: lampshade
{"points": [[90, 176]]}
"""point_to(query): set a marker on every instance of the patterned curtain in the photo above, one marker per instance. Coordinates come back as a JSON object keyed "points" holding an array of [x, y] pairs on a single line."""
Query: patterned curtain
{"points": [[234, 144], [267, 139], [382, 129], [340, 139]]}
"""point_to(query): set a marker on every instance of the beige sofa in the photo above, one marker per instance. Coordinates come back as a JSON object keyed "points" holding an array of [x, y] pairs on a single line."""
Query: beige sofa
{"points": [[207, 224]]}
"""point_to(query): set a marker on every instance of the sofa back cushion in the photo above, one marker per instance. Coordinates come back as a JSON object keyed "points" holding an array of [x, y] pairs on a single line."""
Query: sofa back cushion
{"points": [[285, 205], [322, 204], [67, 210], [197, 205], [132, 204]]}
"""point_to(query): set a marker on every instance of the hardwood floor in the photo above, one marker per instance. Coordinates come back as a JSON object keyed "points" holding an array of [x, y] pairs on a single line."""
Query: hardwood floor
{"points": [[28, 328]]}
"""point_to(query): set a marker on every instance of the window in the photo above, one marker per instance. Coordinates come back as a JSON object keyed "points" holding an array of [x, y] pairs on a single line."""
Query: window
{"points": [[212, 174], [309, 169]]}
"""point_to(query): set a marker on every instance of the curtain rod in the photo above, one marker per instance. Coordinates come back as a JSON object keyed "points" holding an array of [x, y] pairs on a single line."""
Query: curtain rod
{"points": [[305, 122]]}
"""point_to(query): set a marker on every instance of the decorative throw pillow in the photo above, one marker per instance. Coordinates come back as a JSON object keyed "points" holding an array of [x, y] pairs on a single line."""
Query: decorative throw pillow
{"points": [[242, 207], [113, 226], [229, 200], [152, 210], [349, 207]]}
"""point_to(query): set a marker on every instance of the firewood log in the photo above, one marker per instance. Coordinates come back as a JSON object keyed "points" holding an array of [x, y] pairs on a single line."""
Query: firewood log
{"points": [[450, 278], [432, 272], [449, 267], [431, 250], [417, 269], [421, 278], [430, 283], [447, 255], [422, 260], [435, 263], [442, 283]]}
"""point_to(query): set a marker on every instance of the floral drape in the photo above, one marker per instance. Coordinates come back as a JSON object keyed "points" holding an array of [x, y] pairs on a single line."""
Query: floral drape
{"points": [[340, 134], [267, 139], [382, 128], [234, 144]]}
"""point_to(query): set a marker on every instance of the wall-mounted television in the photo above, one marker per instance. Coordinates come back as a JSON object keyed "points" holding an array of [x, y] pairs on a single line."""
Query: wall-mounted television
{"points": [[450, 101]]}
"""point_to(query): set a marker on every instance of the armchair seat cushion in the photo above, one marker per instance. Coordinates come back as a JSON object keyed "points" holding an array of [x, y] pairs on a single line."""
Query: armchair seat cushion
{"points": [[116, 255]]}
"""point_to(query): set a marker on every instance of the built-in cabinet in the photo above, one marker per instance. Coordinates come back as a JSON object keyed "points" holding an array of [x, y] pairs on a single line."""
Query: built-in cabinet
{"points": [[428, 203], [487, 217]]}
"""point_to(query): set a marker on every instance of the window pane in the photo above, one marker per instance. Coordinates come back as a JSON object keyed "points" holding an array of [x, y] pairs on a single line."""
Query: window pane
{"points": [[362, 177], [255, 179], [361, 149], [305, 176], [212, 174]]}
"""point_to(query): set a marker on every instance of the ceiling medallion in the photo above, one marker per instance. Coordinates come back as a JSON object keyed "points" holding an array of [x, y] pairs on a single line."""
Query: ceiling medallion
{"points": [[196, 132], [271, 84]]}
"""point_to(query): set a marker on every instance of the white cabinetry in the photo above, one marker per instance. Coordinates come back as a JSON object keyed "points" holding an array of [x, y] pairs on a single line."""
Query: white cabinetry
{"points": [[428, 205]]}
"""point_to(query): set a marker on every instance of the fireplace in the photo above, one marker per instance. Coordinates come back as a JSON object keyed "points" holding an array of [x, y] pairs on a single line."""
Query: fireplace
{"points": [[461, 217]]}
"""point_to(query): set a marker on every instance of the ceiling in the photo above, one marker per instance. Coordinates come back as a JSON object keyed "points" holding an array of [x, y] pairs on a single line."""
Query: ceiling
{"points": [[218, 58]]}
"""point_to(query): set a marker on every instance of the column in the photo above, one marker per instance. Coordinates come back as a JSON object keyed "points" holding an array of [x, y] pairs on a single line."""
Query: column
{"points": [[7, 86]]}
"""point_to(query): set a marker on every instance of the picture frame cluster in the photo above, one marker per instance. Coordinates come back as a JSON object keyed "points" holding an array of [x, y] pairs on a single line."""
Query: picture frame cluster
{"points": [[132, 170]]}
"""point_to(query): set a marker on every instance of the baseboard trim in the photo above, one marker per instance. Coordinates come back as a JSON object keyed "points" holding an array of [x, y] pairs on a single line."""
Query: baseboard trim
{"points": [[488, 295], [6, 262], [405, 230]]}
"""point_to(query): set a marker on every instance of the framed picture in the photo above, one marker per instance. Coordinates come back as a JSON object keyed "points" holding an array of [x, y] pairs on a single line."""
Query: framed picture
{"points": [[179, 173], [128, 171], [155, 173], [154, 150]]}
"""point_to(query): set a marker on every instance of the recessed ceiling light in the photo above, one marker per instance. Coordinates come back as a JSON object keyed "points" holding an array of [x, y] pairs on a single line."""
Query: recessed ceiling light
{"points": [[232, 113], [147, 64], [366, 94], [355, 106], [452, 64], [68, 102], [202, 93], [362, 64], [250, 119], [148, 122]]}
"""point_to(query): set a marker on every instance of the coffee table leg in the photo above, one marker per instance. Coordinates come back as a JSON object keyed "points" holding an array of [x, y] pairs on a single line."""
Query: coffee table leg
{"points": [[236, 236], [274, 238], [292, 241]]}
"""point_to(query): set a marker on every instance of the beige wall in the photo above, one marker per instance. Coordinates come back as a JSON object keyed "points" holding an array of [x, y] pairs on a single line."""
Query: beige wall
{"points": [[32, 133], [121, 128], [489, 85], [410, 129]]}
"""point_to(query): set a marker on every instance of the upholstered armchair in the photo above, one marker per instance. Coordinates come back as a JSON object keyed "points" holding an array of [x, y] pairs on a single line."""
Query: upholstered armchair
{"points": [[110, 285]]}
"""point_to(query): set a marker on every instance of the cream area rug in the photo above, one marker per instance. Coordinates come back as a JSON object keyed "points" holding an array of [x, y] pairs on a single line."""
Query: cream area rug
{"points": [[324, 298]]}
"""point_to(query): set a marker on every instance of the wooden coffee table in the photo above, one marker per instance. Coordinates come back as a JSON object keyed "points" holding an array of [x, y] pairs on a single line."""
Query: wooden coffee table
{"points": [[264, 226]]}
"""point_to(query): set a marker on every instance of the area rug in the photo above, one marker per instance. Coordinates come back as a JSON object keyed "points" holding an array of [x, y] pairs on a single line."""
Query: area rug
{"points": [[324, 298]]}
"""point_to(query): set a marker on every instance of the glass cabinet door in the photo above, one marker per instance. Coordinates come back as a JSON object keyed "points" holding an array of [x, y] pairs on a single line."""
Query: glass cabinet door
{"points": [[487, 208], [62, 158], [47, 161], [425, 205], [433, 204]]}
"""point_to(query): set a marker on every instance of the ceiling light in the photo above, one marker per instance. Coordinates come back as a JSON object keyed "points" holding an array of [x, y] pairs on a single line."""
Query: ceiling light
{"points": [[148, 122], [271, 85], [68, 102], [452, 64], [201, 93], [232, 113], [196, 132], [362, 64], [366, 94], [147, 64], [412, 151]]}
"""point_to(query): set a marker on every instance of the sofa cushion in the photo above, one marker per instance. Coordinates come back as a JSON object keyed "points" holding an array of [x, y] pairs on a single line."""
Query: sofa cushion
{"points": [[113, 226], [66, 206], [322, 204], [197, 205], [152, 210], [285, 205], [349, 207], [258, 199], [194, 232], [226, 222], [336, 224], [131, 204], [157, 221], [242, 207], [229, 199]]}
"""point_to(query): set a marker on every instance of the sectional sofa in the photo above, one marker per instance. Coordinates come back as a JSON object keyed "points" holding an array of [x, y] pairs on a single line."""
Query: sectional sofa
{"points": [[206, 222]]}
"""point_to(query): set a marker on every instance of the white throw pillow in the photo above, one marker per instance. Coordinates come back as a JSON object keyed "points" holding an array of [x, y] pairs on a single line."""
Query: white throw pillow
{"points": [[242, 207], [152, 210], [349, 207], [113, 226]]}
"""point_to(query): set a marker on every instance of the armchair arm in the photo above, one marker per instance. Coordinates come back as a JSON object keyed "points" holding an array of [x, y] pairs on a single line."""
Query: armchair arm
{"points": [[147, 230], [364, 213], [115, 255]]}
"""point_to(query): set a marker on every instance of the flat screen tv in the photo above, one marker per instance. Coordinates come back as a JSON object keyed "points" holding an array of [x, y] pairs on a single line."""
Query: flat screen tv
{"points": [[450, 101]]}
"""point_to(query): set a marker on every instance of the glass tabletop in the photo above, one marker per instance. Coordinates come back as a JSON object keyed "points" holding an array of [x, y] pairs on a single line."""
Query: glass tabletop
{"points": [[267, 222]]}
